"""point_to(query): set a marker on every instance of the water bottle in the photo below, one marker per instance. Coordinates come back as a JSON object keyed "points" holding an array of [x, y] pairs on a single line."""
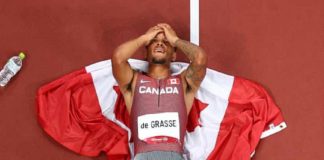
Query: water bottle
{"points": [[11, 68]]}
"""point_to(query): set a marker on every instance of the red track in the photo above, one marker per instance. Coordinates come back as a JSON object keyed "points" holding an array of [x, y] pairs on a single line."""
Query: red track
{"points": [[279, 44]]}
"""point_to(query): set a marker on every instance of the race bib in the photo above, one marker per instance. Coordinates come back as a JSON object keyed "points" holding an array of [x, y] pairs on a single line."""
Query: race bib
{"points": [[159, 127]]}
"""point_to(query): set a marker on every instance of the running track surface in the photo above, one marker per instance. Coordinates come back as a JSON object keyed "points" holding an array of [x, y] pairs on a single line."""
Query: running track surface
{"points": [[278, 43]]}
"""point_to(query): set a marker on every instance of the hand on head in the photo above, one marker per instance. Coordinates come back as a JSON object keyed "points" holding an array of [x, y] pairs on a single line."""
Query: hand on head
{"points": [[169, 33], [151, 33]]}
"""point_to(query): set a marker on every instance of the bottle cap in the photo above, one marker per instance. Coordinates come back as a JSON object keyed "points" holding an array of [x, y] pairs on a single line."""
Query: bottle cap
{"points": [[22, 55]]}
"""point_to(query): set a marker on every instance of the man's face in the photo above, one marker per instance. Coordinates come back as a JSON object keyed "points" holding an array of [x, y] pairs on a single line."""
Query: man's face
{"points": [[160, 51]]}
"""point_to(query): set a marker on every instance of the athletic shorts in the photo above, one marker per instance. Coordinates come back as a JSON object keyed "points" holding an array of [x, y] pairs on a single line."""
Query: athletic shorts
{"points": [[159, 155]]}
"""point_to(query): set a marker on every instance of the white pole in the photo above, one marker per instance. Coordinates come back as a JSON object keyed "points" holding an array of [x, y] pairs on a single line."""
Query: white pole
{"points": [[194, 21]]}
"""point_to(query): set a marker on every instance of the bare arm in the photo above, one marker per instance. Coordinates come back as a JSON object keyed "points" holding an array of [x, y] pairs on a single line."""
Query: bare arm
{"points": [[122, 70], [196, 71]]}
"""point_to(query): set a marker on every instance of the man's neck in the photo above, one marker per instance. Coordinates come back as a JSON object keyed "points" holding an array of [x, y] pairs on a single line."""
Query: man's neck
{"points": [[158, 71]]}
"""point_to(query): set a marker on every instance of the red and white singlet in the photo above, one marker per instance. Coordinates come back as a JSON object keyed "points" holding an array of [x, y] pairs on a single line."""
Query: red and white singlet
{"points": [[158, 114]]}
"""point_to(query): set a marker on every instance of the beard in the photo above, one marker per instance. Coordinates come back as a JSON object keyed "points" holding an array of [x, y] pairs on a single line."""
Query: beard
{"points": [[158, 61]]}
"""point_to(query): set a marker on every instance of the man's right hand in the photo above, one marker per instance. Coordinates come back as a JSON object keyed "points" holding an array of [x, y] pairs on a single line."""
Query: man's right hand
{"points": [[151, 33], [122, 71]]}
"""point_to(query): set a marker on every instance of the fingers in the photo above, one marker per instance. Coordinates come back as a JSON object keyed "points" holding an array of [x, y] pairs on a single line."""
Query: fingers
{"points": [[169, 32], [154, 28], [152, 32], [164, 25], [158, 30], [161, 27]]}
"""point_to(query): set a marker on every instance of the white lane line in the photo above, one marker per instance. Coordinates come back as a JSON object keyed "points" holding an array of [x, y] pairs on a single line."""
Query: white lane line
{"points": [[194, 21]]}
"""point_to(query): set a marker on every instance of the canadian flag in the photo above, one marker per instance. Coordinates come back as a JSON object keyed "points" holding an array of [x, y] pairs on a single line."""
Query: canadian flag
{"points": [[85, 112], [173, 81]]}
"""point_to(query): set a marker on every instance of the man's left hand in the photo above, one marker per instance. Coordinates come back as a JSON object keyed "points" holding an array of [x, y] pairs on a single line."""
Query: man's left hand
{"points": [[169, 33]]}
